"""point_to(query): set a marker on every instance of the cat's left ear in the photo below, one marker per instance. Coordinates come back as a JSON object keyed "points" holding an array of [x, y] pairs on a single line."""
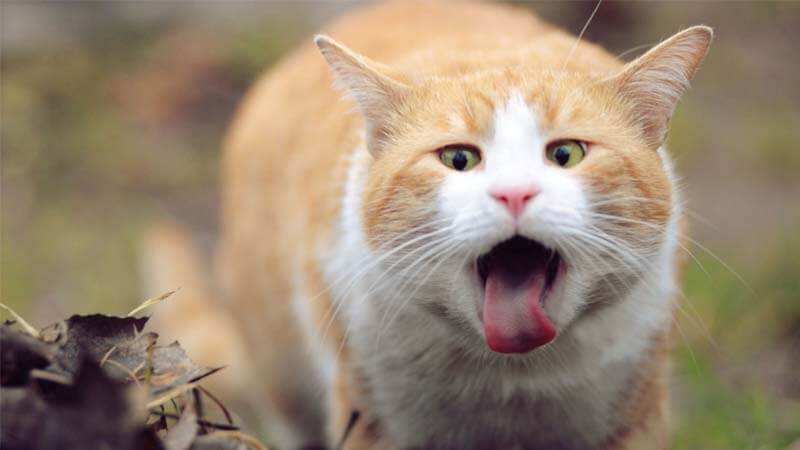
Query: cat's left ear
{"points": [[654, 82], [375, 92]]}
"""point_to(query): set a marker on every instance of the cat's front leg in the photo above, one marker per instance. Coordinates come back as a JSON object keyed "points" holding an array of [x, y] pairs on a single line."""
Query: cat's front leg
{"points": [[352, 426]]}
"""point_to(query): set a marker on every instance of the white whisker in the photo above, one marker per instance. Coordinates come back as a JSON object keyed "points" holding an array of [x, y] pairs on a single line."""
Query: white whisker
{"points": [[580, 35]]}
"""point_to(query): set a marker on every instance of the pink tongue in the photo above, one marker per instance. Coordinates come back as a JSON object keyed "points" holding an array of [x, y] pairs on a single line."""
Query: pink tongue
{"points": [[513, 318]]}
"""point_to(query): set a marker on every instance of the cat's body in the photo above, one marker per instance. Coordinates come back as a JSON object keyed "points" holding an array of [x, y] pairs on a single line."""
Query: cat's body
{"points": [[347, 304]]}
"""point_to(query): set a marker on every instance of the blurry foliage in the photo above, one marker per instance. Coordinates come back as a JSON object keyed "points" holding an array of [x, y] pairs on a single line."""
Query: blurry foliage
{"points": [[773, 143], [103, 131], [687, 134], [736, 358], [108, 126], [101, 381]]}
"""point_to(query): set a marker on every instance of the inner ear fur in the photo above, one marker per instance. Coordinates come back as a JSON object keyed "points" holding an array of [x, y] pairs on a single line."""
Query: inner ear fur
{"points": [[376, 94], [653, 83]]}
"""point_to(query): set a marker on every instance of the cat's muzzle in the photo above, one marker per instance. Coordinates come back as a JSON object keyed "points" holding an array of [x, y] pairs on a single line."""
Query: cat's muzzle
{"points": [[517, 275]]}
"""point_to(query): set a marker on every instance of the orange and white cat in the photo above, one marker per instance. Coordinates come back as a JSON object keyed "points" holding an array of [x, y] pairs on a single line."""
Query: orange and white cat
{"points": [[462, 225]]}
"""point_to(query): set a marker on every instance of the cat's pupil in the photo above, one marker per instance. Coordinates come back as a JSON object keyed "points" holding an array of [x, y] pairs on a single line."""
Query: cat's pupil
{"points": [[460, 160], [562, 156]]}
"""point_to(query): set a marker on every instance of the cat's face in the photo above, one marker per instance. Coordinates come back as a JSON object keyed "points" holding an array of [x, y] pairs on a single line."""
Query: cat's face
{"points": [[510, 202]]}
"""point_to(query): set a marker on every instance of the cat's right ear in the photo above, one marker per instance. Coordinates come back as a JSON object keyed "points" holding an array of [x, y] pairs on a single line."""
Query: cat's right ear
{"points": [[368, 83]]}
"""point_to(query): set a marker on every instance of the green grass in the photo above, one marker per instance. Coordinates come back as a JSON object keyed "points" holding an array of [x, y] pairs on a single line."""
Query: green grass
{"points": [[724, 396]]}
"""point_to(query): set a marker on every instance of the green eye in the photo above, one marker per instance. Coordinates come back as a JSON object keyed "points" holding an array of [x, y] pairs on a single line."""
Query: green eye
{"points": [[460, 158], [565, 153]]}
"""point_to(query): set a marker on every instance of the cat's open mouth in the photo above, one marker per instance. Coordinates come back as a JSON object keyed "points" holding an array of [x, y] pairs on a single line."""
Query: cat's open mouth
{"points": [[517, 275]]}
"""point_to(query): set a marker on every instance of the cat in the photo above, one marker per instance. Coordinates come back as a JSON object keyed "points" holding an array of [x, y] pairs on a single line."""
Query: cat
{"points": [[455, 223]]}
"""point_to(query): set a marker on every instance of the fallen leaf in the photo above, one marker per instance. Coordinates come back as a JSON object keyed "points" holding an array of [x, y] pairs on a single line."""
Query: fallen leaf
{"points": [[181, 436], [95, 334], [20, 353], [94, 412], [171, 367]]}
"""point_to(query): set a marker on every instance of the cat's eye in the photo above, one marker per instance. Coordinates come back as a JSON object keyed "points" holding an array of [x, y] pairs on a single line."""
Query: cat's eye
{"points": [[460, 158], [566, 153]]}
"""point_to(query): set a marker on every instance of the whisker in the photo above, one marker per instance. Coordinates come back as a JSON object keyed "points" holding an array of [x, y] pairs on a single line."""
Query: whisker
{"points": [[631, 50], [659, 228], [724, 264], [430, 248], [695, 318], [580, 35], [687, 344], [410, 296], [386, 244], [611, 199], [337, 298]]}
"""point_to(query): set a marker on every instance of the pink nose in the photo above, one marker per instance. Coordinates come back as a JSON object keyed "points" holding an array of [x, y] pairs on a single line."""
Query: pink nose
{"points": [[515, 197]]}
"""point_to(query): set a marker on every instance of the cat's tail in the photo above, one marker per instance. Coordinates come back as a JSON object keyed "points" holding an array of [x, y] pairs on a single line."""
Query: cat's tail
{"points": [[170, 261]]}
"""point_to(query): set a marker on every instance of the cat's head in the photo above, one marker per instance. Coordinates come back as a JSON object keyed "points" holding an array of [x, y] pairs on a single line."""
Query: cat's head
{"points": [[512, 200]]}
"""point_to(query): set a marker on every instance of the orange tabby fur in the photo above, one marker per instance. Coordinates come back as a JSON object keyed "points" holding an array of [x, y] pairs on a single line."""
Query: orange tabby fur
{"points": [[288, 151]]}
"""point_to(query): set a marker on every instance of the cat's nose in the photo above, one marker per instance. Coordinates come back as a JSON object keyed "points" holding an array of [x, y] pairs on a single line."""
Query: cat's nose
{"points": [[515, 197]]}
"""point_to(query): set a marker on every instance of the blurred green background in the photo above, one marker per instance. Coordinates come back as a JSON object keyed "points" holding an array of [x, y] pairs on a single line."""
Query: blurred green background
{"points": [[112, 115]]}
